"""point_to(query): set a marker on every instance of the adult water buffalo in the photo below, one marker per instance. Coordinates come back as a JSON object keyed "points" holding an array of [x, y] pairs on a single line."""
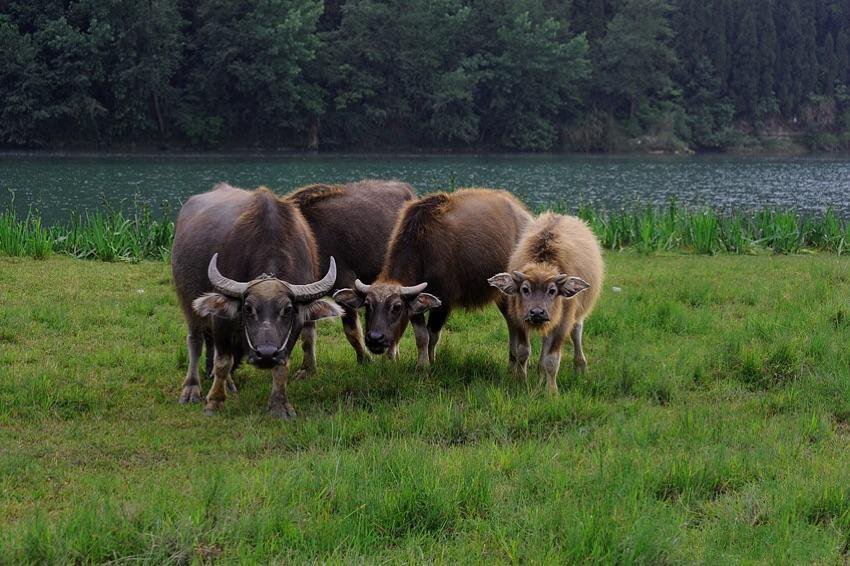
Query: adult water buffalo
{"points": [[353, 223], [245, 266], [449, 243]]}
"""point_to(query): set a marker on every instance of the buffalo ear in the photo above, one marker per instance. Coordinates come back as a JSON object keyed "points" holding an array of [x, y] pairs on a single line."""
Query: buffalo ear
{"points": [[571, 286], [320, 309], [349, 298], [423, 302], [504, 282], [216, 304]]}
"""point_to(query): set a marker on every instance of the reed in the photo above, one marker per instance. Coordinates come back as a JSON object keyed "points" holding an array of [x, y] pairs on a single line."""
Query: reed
{"points": [[106, 235], [113, 235], [705, 231]]}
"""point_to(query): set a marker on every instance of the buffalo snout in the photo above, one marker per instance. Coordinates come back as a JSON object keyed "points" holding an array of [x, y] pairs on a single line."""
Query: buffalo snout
{"points": [[537, 315], [377, 342]]}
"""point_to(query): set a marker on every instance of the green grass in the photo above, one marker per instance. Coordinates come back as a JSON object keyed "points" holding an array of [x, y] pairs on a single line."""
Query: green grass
{"points": [[112, 235], [712, 426]]}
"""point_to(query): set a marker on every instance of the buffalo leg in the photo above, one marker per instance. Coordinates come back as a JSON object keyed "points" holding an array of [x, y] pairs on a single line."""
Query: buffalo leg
{"points": [[512, 335], [191, 385], [522, 349], [354, 334], [308, 346], [209, 355], [550, 354], [423, 337], [393, 353], [222, 365], [279, 405], [579, 361], [436, 320]]}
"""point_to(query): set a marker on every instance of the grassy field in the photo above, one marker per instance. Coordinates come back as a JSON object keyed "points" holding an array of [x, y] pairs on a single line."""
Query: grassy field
{"points": [[712, 426]]}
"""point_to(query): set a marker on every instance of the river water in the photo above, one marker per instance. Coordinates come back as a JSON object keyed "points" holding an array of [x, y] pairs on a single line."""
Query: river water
{"points": [[57, 185]]}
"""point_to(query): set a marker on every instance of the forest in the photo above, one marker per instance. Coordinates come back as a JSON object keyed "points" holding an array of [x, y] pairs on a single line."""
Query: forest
{"points": [[502, 75]]}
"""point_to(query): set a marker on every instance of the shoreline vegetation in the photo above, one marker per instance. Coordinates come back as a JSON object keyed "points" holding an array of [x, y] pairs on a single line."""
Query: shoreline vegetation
{"points": [[797, 144], [578, 75], [111, 234]]}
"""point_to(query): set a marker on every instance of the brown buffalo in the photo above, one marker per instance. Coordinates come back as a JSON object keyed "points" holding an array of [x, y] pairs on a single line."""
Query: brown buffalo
{"points": [[245, 266], [449, 243], [353, 223], [555, 278]]}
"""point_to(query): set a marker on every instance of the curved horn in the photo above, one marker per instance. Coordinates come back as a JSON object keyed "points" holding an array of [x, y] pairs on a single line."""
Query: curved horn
{"points": [[361, 287], [317, 289], [414, 290], [520, 275], [221, 283]]}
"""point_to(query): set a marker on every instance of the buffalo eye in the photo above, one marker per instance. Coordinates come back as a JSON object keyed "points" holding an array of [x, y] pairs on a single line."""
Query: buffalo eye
{"points": [[526, 290], [250, 310], [395, 309], [552, 291], [287, 310]]}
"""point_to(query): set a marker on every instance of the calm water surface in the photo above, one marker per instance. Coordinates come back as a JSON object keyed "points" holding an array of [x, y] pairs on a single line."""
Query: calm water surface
{"points": [[58, 185]]}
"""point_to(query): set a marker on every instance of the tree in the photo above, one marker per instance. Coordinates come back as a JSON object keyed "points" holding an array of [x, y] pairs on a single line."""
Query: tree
{"points": [[532, 80], [767, 47], [744, 80], [709, 112], [635, 58], [247, 69]]}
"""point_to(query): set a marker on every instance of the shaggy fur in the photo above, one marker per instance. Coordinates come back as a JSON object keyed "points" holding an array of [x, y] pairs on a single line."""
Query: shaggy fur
{"points": [[557, 270], [556, 244]]}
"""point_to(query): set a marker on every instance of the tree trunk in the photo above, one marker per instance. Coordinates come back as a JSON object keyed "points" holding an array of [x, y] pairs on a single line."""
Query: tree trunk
{"points": [[158, 115], [313, 134]]}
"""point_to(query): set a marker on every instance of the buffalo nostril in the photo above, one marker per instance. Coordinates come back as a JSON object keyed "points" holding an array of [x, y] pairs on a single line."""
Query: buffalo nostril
{"points": [[266, 352], [536, 312], [375, 337]]}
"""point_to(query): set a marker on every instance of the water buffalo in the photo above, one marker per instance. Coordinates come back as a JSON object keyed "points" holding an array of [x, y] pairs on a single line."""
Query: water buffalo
{"points": [[555, 278], [245, 265], [449, 243], [352, 223]]}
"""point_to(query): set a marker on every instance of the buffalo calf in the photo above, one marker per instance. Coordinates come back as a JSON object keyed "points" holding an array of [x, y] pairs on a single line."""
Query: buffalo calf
{"points": [[555, 278]]}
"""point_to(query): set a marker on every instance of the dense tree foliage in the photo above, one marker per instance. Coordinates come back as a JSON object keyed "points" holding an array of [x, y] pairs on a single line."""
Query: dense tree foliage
{"points": [[514, 74]]}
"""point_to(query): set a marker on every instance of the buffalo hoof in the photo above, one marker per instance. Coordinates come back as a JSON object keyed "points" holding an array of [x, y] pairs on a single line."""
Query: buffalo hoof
{"points": [[212, 407], [364, 359], [423, 368], [283, 411], [231, 387], [304, 373], [519, 374], [191, 394]]}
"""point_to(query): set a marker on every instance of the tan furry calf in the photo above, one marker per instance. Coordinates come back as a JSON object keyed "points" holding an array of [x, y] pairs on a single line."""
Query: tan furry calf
{"points": [[556, 276]]}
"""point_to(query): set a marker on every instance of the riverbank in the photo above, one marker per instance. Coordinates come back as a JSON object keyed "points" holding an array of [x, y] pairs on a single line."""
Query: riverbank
{"points": [[113, 235], [713, 422]]}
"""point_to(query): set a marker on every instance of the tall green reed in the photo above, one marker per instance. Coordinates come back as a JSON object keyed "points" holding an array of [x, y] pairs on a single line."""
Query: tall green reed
{"points": [[109, 234]]}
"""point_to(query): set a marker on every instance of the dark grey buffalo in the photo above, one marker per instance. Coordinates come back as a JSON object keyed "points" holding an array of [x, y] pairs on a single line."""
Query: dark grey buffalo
{"points": [[245, 265], [353, 223]]}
